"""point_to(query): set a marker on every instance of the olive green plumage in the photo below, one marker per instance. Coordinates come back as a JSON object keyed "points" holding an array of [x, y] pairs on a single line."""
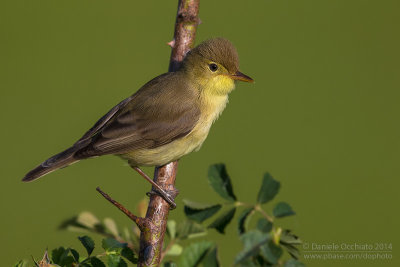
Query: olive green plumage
{"points": [[169, 117]]}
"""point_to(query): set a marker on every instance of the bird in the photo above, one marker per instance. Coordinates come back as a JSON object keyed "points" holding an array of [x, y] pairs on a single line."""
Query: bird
{"points": [[167, 118]]}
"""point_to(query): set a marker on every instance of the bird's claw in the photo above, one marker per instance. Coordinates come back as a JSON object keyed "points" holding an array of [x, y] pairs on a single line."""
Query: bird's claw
{"points": [[166, 196]]}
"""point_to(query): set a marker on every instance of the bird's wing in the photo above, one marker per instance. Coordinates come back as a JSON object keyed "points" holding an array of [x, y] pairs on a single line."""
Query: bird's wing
{"points": [[160, 112], [101, 122]]}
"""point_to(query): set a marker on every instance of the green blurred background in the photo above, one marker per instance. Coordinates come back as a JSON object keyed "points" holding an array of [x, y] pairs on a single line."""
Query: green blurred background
{"points": [[322, 117]]}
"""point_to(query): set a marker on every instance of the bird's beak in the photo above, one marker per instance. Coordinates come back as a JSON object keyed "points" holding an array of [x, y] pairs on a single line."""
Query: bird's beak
{"points": [[242, 77]]}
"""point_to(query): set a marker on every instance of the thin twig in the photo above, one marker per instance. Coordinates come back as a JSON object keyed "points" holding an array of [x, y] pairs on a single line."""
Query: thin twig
{"points": [[263, 213], [140, 222]]}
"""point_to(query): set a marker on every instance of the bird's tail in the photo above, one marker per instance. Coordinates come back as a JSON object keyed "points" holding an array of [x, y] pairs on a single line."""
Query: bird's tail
{"points": [[56, 162]]}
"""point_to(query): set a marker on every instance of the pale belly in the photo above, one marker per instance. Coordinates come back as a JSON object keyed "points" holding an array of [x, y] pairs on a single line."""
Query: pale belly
{"points": [[169, 152]]}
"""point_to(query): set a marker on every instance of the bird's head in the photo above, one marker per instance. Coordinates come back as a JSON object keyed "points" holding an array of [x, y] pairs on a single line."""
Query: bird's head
{"points": [[214, 64]]}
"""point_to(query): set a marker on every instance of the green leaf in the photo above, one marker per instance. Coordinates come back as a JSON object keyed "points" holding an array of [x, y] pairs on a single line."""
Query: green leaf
{"points": [[220, 182], [260, 261], [200, 212], [128, 254], [249, 263], [175, 250], [111, 245], [271, 252], [293, 263], [88, 243], [72, 223], [190, 229], [57, 254], [88, 220], [122, 263], [223, 220], [282, 209], [171, 229], [287, 237], [96, 262], [243, 220], [269, 189], [114, 260], [264, 225], [21, 263], [292, 250], [252, 241], [67, 261], [60, 256], [170, 264], [87, 263], [211, 258], [75, 254], [193, 254]]}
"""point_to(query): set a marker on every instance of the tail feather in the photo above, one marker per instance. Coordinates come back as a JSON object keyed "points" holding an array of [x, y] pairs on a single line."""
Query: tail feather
{"points": [[56, 162]]}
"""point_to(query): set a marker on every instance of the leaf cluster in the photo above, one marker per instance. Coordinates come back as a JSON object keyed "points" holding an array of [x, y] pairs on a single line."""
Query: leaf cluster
{"points": [[115, 254], [264, 244]]}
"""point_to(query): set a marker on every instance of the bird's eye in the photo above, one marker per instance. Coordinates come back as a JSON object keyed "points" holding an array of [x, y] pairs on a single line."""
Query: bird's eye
{"points": [[213, 67]]}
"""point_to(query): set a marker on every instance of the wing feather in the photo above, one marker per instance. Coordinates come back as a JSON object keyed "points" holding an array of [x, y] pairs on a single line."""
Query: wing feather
{"points": [[159, 113]]}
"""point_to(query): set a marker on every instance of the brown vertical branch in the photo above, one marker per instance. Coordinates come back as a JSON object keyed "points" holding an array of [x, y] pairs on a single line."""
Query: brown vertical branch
{"points": [[152, 237], [187, 20], [153, 226]]}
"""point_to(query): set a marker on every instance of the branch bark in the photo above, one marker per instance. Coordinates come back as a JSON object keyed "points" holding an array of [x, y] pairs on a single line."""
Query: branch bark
{"points": [[152, 237], [187, 20], [153, 226]]}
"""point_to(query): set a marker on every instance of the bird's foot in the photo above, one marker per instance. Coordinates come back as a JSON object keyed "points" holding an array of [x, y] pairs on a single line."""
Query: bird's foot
{"points": [[167, 195]]}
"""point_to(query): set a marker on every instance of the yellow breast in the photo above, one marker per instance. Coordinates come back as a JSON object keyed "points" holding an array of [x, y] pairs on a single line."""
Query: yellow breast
{"points": [[213, 100]]}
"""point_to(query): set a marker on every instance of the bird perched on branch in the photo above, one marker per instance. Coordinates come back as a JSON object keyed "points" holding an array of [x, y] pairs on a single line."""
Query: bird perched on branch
{"points": [[169, 117]]}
